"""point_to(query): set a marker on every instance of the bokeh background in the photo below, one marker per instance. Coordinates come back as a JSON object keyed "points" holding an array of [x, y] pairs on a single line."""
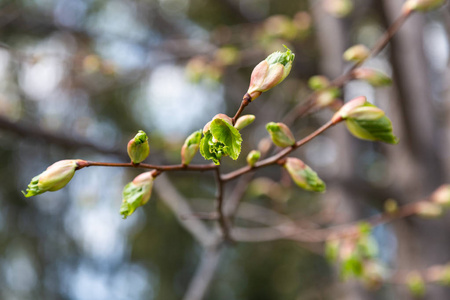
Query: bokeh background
{"points": [[78, 78]]}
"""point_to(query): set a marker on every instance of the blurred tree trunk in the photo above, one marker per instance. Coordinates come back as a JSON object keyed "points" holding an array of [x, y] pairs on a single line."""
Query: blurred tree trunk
{"points": [[417, 173], [331, 36]]}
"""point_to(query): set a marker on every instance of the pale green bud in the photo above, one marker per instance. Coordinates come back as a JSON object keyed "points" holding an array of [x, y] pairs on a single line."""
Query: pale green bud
{"points": [[253, 157], [422, 5], [318, 82], [244, 121], [327, 97], [415, 284], [136, 193], [338, 8], [190, 147], [280, 134], [429, 210], [54, 178], [374, 77], [390, 206], [374, 275], [356, 53], [138, 148], [303, 175], [270, 72], [442, 195]]}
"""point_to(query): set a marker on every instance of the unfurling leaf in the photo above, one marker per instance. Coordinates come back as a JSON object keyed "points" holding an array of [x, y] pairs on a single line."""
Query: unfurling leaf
{"points": [[303, 175], [136, 193], [220, 139], [366, 121], [415, 284], [374, 77], [54, 178], [190, 147], [356, 53], [422, 5]]}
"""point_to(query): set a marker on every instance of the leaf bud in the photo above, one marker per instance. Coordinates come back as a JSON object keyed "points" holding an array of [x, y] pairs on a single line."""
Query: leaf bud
{"points": [[429, 210], [244, 121], [280, 134], [190, 147], [223, 117], [442, 195], [415, 284], [365, 121], [136, 193], [253, 157], [390, 206], [421, 5], [138, 148], [54, 178], [220, 139], [356, 53], [338, 8], [374, 275], [303, 175], [318, 82], [374, 77], [327, 97], [270, 72]]}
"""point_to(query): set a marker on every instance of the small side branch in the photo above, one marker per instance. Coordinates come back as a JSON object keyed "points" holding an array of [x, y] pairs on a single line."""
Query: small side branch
{"points": [[275, 159], [220, 207], [204, 275]]}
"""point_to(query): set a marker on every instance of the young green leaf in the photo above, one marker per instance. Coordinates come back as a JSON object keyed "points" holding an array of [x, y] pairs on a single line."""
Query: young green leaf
{"points": [[222, 139], [303, 175]]}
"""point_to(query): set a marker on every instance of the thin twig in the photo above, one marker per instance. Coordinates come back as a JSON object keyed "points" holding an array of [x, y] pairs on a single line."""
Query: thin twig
{"points": [[219, 206], [287, 231], [204, 274], [303, 107], [277, 157], [179, 205], [246, 101], [165, 168]]}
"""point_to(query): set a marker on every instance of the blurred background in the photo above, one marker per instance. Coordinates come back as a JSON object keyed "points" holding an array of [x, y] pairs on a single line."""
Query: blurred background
{"points": [[78, 78]]}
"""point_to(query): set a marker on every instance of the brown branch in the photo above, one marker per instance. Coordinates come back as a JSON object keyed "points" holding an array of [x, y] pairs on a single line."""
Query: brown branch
{"points": [[204, 274], [287, 231], [246, 101], [165, 168], [220, 206], [31, 131], [179, 205], [303, 107], [277, 158]]}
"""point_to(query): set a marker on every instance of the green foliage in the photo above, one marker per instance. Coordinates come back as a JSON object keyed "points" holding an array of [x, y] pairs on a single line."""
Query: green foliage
{"points": [[370, 123], [222, 139], [134, 195], [281, 57]]}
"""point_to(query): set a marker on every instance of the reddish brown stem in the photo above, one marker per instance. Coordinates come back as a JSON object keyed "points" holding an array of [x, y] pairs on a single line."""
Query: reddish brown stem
{"points": [[277, 157], [179, 167], [308, 104], [219, 207], [246, 101]]}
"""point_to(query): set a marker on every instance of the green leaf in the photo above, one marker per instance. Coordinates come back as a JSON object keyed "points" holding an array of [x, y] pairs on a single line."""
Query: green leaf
{"points": [[372, 130], [314, 182], [222, 139], [133, 197], [352, 267], [208, 150]]}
